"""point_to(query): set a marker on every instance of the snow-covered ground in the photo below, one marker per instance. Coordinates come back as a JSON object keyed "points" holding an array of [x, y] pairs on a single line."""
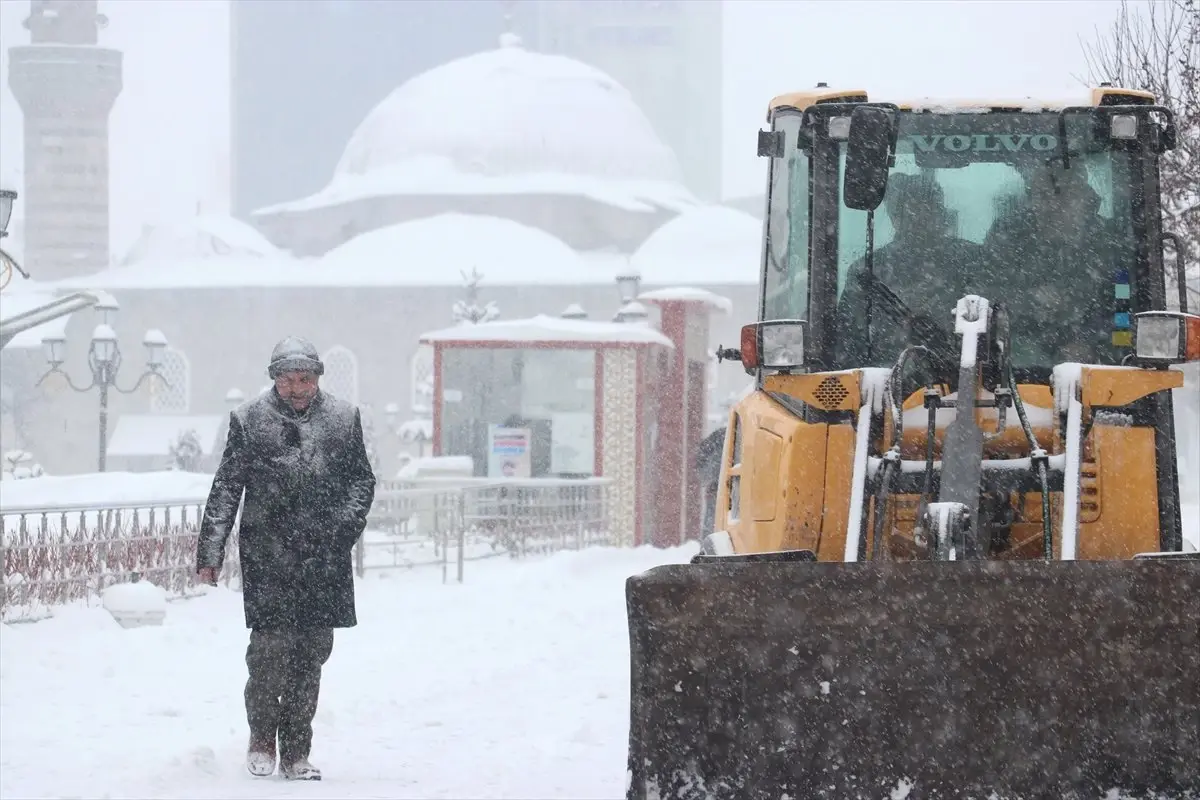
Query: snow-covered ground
{"points": [[106, 489], [513, 684]]}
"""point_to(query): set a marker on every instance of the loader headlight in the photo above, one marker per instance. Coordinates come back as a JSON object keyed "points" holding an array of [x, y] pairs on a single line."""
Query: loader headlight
{"points": [[839, 128], [776, 344], [1123, 126], [1167, 337]]}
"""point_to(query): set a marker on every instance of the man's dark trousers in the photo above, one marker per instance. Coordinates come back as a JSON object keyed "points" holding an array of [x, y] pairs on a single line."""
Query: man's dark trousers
{"points": [[284, 685]]}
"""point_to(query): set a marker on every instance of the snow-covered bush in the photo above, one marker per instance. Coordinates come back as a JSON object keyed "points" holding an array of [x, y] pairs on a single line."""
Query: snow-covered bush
{"points": [[186, 453], [19, 465], [468, 311]]}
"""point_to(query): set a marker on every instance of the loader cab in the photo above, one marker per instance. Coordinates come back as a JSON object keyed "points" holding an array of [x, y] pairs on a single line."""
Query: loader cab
{"points": [[880, 216], [882, 220]]}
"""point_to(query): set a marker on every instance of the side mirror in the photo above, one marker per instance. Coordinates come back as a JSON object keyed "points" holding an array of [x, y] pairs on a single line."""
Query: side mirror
{"points": [[868, 156], [776, 344]]}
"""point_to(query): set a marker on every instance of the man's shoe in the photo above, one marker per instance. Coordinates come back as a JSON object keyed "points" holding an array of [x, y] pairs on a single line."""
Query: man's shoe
{"points": [[260, 759], [300, 770]]}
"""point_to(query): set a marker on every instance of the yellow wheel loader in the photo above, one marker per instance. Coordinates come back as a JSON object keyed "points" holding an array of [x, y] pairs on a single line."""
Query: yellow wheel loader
{"points": [[947, 558]]}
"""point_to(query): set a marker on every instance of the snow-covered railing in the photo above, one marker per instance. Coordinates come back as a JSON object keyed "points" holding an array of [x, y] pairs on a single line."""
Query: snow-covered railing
{"points": [[482, 518], [53, 556]]}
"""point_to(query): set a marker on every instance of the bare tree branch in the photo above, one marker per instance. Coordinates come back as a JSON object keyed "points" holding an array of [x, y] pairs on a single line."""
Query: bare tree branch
{"points": [[1154, 46]]}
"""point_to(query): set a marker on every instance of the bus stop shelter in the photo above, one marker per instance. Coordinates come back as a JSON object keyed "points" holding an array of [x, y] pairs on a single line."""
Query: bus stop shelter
{"points": [[549, 397]]}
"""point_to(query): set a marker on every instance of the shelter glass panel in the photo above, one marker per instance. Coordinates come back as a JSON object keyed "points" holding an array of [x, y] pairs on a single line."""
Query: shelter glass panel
{"points": [[520, 412]]}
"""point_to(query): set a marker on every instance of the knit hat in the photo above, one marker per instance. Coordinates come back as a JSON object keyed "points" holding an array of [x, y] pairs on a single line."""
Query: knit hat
{"points": [[294, 354]]}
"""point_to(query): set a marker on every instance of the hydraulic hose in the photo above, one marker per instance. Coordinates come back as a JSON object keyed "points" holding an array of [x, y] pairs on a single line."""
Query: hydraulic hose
{"points": [[891, 462], [1041, 462], [895, 379], [932, 401]]}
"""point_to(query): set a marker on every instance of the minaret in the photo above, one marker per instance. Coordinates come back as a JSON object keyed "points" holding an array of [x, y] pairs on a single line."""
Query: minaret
{"points": [[66, 87]]}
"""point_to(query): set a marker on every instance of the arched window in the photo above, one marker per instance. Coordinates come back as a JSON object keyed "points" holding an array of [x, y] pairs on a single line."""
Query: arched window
{"points": [[341, 374], [174, 395], [421, 383]]}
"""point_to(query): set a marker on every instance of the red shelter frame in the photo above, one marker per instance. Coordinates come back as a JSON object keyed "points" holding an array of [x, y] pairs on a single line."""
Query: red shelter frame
{"points": [[629, 380]]}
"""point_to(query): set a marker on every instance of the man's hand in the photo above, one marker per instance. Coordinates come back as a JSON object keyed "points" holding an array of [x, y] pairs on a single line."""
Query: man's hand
{"points": [[208, 575]]}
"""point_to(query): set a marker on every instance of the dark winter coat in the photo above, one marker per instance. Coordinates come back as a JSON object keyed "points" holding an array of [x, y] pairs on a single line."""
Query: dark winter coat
{"points": [[309, 485]]}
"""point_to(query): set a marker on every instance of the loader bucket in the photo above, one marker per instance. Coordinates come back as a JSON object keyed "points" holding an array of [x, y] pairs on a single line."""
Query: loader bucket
{"points": [[917, 680]]}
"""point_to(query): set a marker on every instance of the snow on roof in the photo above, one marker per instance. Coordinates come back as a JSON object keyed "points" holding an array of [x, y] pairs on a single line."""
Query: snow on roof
{"points": [[437, 175], [753, 204], [548, 329], [710, 245], [202, 237], [413, 429], [507, 121], [432, 251], [201, 273], [966, 105], [688, 294], [22, 296], [439, 249], [153, 434]]}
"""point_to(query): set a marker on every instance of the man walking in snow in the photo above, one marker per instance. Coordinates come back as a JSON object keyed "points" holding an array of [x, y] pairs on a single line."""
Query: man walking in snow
{"points": [[299, 455]]}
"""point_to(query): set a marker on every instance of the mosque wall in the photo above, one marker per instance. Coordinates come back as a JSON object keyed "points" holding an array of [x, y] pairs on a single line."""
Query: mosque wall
{"points": [[226, 334], [581, 223]]}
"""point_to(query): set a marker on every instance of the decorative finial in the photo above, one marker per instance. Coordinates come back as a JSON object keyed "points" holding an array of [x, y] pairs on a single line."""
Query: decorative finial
{"points": [[509, 38], [632, 312], [574, 311]]}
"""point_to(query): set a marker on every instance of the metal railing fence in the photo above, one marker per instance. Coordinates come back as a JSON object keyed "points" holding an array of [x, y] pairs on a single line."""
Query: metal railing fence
{"points": [[56, 556], [414, 526]]}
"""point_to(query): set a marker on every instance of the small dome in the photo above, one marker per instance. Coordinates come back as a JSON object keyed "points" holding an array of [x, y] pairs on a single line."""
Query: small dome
{"points": [[708, 245], [439, 250], [573, 311], [203, 237], [511, 111], [633, 312]]}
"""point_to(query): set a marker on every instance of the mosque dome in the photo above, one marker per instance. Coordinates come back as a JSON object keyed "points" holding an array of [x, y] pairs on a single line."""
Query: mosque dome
{"points": [[708, 245], [511, 111], [202, 237], [507, 121]]}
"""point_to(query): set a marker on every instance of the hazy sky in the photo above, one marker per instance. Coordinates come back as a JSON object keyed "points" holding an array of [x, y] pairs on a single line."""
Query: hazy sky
{"points": [[170, 127]]}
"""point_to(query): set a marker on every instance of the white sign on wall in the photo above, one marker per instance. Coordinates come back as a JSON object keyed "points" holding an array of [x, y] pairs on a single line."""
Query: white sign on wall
{"points": [[509, 452]]}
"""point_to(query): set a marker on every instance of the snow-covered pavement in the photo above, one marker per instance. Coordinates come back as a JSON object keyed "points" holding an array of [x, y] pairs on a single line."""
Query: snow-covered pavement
{"points": [[513, 684]]}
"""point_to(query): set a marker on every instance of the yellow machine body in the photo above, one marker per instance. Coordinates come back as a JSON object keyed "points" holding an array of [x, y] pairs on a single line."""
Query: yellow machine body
{"points": [[896, 600]]}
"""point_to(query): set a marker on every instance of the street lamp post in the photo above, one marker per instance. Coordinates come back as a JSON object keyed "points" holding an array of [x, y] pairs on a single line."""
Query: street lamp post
{"points": [[7, 198], [628, 281], [104, 360]]}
